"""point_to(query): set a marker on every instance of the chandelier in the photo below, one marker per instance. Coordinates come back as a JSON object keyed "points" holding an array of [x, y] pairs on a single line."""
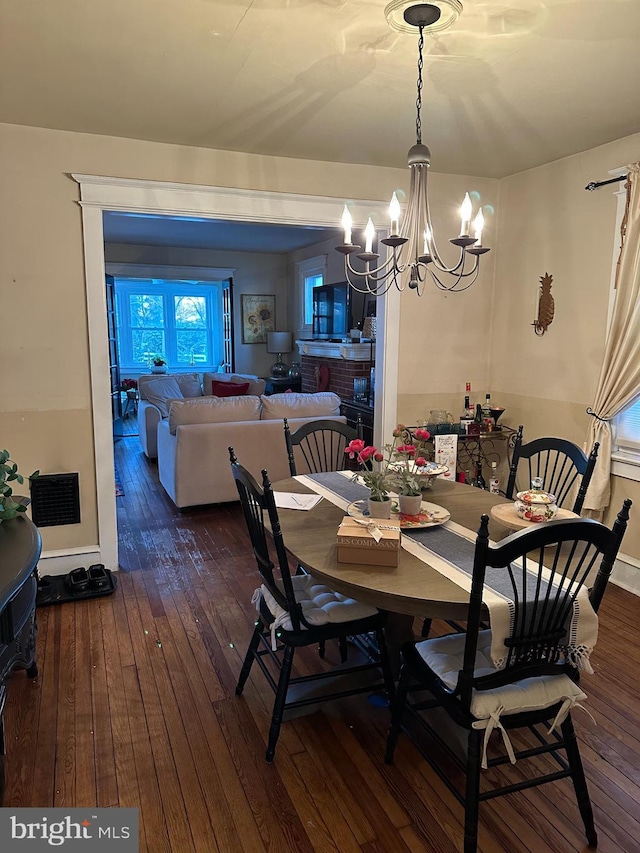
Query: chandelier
{"points": [[412, 247]]}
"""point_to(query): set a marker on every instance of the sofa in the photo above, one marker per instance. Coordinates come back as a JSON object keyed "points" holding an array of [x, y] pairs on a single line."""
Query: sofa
{"points": [[157, 391], [193, 441]]}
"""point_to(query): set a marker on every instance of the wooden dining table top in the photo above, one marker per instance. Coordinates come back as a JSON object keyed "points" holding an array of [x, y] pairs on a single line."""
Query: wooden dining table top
{"points": [[412, 588]]}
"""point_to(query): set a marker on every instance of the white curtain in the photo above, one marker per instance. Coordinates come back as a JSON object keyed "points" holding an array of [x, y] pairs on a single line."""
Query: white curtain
{"points": [[619, 381]]}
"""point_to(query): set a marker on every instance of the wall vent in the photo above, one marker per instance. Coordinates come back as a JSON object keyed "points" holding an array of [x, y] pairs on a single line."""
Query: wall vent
{"points": [[55, 500]]}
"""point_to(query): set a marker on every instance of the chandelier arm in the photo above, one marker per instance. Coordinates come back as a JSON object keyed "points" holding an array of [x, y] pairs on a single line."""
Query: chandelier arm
{"points": [[454, 288], [380, 273], [379, 289], [381, 283]]}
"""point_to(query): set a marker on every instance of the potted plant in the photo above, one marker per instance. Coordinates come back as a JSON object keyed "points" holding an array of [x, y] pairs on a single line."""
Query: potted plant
{"points": [[9, 507], [374, 474], [407, 464], [158, 364]]}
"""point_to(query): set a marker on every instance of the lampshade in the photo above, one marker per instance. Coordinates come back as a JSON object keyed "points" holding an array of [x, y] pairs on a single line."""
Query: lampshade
{"points": [[279, 342]]}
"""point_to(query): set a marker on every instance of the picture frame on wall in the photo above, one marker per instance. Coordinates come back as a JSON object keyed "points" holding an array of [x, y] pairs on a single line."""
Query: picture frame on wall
{"points": [[369, 308], [258, 317]]}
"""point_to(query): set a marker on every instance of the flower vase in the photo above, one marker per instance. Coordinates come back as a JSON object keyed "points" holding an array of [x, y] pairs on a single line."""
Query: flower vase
{"points": [[410, 504], [380, 509]]}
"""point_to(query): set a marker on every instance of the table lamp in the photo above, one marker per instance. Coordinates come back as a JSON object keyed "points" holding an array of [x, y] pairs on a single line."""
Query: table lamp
{"points": [[279, 342]]}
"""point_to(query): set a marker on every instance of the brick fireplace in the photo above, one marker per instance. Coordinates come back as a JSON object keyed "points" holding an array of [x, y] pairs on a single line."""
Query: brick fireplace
{"points": [[343, 362]]}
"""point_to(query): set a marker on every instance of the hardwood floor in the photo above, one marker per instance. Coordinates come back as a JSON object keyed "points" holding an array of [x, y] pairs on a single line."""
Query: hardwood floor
{"points": [[134, 706]]}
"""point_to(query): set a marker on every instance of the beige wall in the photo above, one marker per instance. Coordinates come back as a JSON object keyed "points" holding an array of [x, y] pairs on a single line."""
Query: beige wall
{"points": [[445, 337], [44, 383], [549, 223], [546, 223]]}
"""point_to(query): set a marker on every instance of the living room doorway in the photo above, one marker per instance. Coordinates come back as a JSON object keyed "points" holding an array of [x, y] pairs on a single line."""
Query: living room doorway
{"points": [[99, 194]]}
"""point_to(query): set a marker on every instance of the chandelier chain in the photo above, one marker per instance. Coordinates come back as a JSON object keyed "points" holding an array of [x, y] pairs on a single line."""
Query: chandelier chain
{"points": [[419, 97]]}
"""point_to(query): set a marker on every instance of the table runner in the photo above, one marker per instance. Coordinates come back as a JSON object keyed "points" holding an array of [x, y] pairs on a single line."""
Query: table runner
{"points": [[449, 549]]}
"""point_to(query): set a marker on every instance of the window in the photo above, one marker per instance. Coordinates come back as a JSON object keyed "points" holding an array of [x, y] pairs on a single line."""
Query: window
{"points": [[311, 273], [178, 320], [628, 429]]}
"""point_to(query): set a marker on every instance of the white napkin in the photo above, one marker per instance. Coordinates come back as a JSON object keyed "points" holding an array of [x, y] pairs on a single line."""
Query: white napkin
{"points": [[289, 500]]}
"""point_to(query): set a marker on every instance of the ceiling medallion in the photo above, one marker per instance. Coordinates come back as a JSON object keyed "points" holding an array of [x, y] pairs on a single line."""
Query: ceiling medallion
{"points": [[403, 15]]}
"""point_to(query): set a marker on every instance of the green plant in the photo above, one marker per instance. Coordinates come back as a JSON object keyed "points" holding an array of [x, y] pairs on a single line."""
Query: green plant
{"points": [[9, 507], [158, 361], [374, 474], [407, 460]]}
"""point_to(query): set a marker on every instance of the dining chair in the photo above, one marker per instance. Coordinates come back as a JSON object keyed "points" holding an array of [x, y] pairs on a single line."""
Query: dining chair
{"points": [[321, 444], [298, 610], [537, 681], [560, 463]]}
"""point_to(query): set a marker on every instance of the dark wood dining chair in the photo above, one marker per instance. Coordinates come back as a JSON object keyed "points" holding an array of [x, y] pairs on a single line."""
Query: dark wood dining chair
{"points": [[561, 464], [538, 682], [321, 444], [298, 610]]}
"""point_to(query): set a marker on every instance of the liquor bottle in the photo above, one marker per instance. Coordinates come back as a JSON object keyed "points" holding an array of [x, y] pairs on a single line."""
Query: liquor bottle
{"points": [[466, 417], [478, 480], [486, 409], [475, 427], [494, 482], [468, 392]]}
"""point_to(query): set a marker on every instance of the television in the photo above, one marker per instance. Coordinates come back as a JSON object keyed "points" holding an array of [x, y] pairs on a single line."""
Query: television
{"points": [[332, 312]]}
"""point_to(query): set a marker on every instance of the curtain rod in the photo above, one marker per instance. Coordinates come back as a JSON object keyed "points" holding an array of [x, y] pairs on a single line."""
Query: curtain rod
{"points": [[594, 185]]}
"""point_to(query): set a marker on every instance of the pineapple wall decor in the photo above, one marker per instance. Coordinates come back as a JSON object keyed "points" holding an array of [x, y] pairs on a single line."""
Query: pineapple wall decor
{"points": [[545, 305]]}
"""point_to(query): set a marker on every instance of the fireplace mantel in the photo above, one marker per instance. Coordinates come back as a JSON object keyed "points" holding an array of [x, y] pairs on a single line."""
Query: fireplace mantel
{"points": [[330, 349]]}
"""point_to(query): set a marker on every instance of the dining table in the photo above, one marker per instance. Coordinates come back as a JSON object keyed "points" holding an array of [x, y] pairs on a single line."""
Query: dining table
{"points": [[412, 589]]}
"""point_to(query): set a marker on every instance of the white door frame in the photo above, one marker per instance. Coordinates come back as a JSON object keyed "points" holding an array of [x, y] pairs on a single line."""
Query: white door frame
{"points": [[98, 194]]}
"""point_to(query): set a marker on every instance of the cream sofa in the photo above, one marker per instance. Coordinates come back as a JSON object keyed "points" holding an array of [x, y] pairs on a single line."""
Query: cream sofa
{"points": [[157, 391], [193, 442]]}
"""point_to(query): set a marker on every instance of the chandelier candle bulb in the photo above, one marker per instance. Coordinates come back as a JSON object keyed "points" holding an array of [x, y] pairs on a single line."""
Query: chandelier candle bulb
{"points": [[369, 234], [478, 225], [466, 210], [394, 213], [347, 223]]}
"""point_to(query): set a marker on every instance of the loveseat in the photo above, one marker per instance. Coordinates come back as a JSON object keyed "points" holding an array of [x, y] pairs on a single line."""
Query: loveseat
{"points": [[193, 441], [157, 391]]}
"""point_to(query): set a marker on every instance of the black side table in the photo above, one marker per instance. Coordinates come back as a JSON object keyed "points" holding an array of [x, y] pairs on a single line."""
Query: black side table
{"points": [[278, 384], [20, 547]]}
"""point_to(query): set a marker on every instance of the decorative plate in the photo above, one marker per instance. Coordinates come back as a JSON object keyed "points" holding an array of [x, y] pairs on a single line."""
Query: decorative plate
{"points": [[431, 515]]}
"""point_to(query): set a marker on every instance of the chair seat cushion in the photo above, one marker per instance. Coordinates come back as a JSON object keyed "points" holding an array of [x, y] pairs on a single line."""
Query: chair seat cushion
{"points": [[443, 655], [320, 604]]}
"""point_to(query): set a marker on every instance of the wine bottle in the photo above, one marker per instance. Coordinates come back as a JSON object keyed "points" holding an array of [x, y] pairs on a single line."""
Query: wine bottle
{"points": [[478, 480], [466, 417], [494, 482]]}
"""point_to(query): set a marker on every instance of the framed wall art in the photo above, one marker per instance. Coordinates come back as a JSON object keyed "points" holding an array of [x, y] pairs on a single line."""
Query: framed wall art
{"points": [[258, 317]]}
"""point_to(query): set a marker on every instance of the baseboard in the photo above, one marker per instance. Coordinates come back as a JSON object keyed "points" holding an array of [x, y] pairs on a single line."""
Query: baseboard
{"points": [[626, 573], [63, 561]]}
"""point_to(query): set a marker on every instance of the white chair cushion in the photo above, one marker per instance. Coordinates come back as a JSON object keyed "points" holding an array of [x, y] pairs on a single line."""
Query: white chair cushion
{"points": [[444, 656], [323, 404], [320, 604]]}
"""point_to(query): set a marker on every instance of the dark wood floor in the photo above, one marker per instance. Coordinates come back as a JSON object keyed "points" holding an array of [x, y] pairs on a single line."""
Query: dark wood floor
{"points": [[135, 706]]}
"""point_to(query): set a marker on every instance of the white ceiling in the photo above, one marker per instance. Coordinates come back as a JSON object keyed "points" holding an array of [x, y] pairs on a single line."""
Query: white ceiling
{"points": [[514, 84], [192, 233]]}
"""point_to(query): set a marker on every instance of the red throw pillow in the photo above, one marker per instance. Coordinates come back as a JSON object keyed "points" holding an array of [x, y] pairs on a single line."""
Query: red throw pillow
{"points": [[229, 389]]}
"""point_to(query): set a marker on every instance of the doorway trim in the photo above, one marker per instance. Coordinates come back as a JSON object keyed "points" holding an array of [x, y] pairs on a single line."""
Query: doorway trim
{"points": [[100, 193]]}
